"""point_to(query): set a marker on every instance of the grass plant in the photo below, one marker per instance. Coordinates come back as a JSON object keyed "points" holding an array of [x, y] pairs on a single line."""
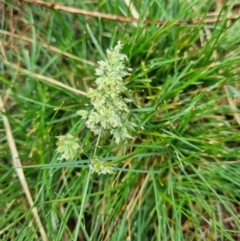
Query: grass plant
{"points": [[177, 178]]}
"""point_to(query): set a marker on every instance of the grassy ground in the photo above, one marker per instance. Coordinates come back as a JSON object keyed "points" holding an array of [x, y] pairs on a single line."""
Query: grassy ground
{"points": [[178, 179]]}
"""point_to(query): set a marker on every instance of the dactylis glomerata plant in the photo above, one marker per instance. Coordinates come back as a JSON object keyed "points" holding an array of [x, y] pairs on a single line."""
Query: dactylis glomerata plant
{"points": [[109, 113]]}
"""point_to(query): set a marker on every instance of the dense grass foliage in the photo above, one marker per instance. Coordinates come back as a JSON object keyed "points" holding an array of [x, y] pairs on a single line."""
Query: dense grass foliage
{"points": [[178, 178]]}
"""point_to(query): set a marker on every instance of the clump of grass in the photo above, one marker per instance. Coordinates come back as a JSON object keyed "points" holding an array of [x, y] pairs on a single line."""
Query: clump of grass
{"points": [[177, 179]]}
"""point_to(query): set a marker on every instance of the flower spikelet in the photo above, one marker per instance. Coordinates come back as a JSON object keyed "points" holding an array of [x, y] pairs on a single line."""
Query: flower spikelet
{"points": [[67, 146], [109, 110], [100, 167]]}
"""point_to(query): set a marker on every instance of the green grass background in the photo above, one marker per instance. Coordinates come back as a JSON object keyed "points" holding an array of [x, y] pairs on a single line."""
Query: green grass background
{"points": [[178, 179]]}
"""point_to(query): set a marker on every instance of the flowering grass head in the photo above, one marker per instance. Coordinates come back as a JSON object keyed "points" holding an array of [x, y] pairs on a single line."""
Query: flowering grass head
{"points": [[68, 146], [109, 111], [100, 167]]}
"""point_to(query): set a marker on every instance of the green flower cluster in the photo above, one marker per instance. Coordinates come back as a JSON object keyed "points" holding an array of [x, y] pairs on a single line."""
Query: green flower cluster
{"points": [[100, 167], [110, 111], [68, 146]]}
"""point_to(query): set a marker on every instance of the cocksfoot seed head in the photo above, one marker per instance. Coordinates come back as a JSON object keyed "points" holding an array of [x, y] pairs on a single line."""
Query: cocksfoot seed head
{"points": [[68, 146]]}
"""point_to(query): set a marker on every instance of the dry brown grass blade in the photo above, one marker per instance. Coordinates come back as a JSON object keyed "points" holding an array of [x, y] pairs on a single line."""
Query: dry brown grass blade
{"points": [[18, 168], [47, 46], [132, 8], [44, 78], [220, 163], [122, 18]]}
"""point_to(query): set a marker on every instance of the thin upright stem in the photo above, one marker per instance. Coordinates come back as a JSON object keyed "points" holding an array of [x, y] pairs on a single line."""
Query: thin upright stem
{"points": [[83, 205], [98, 139]]}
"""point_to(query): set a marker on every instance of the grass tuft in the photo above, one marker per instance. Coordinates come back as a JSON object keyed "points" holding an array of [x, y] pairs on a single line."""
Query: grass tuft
{"points": [[178, 179]]}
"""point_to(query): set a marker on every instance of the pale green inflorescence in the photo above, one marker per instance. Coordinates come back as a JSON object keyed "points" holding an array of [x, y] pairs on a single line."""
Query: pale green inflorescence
{"points": [[68, 146], [100, 167], [110, 111]]}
